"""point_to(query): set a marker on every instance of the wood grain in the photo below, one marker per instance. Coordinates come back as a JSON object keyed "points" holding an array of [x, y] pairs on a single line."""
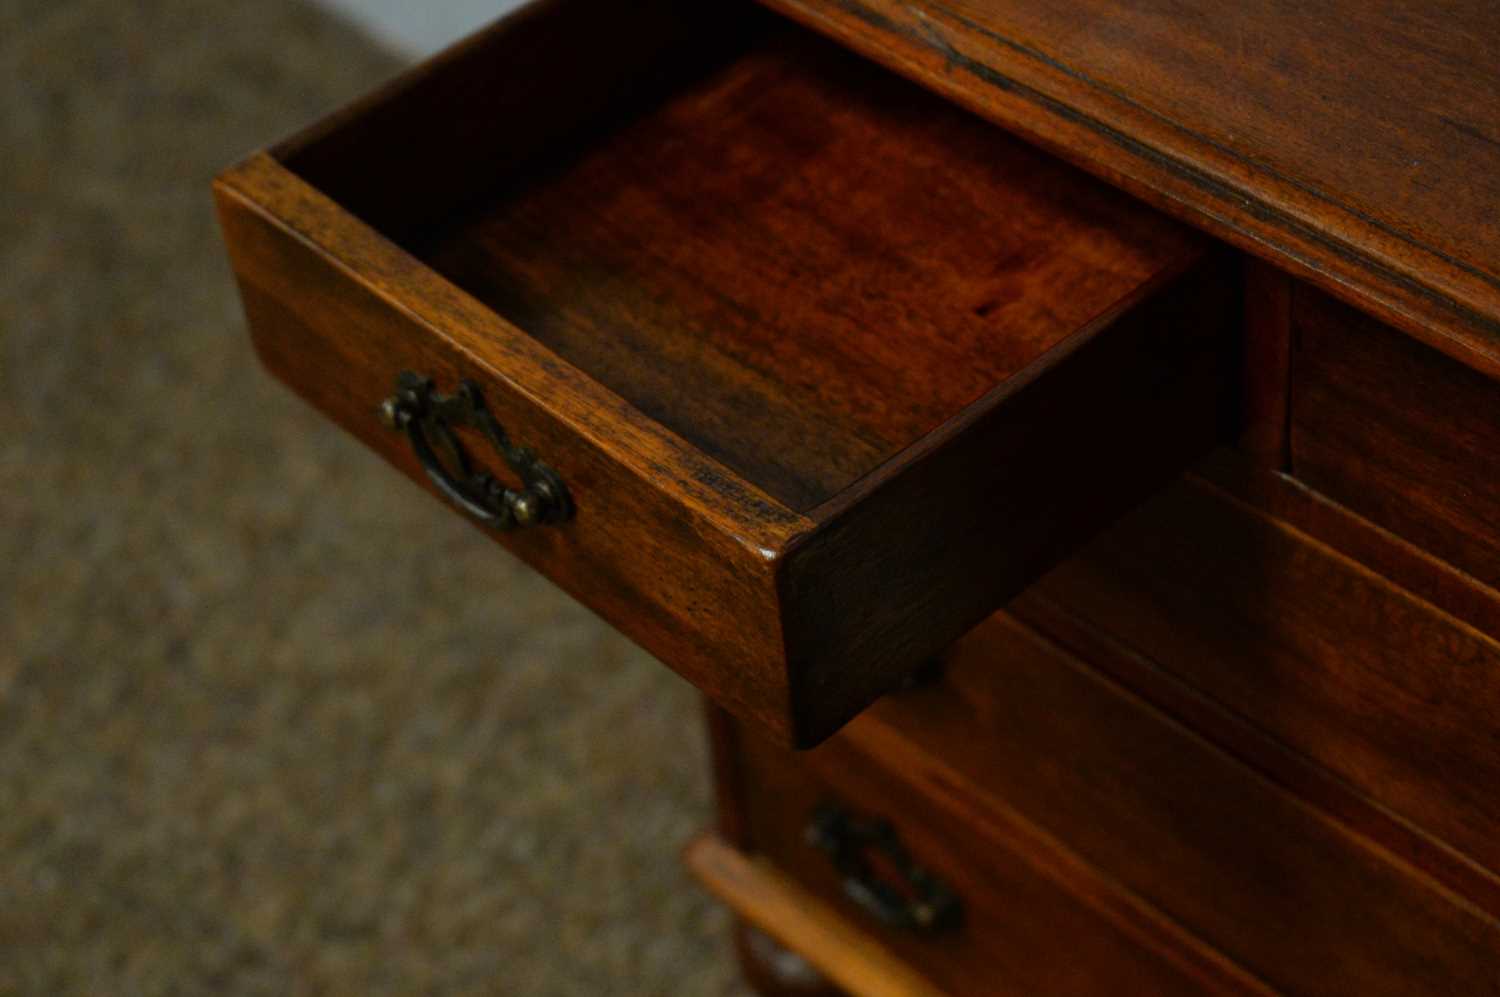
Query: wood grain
{"points": [[1266, 371], [1290, 894], [696, 533], [1390, 694], [1050, 928], [1354, 145], [1288, 768], [803, 264], [1399, 433], [922, 553], [728, 784], [777, 281], [1418, 571]]}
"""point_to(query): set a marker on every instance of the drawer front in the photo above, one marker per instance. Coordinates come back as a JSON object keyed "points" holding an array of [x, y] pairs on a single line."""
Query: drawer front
{"points": [[1398, 432], [1017, 931], [648, 548], [1390, 694], [1274, 884], [802, 370]]}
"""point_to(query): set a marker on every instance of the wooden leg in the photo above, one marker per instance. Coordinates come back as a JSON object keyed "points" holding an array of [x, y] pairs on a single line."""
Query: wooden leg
{"points": [[775, 971]]}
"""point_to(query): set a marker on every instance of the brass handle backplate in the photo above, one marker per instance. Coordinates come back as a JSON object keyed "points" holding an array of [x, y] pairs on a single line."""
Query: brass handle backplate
{"points": [[429, 420]]}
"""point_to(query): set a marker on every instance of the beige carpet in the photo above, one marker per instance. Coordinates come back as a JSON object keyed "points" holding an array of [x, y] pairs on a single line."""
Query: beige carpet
{"points": [[271, 720]]}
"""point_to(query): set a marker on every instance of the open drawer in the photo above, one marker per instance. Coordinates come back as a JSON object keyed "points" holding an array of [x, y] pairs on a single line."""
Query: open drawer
{"points": [[792, 371]]}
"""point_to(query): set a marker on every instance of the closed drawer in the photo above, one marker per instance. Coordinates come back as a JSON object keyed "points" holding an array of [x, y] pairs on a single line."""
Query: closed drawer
{"points": [[1398, 432], [1009, 928], [802, 370], [1394, 697], [1251, 870]]}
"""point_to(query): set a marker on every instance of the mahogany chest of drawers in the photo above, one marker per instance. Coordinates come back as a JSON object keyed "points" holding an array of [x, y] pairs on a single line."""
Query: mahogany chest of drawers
{"points": [[1078, 498]]}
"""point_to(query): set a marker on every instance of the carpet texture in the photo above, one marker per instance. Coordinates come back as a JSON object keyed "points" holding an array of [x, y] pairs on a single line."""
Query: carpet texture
{"points": [[272, 720]]}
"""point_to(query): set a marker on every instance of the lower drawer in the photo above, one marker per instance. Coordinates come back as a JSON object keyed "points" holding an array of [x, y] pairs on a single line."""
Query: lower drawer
{"points": [[958, 904], [1099, 779], [1394, 697]]}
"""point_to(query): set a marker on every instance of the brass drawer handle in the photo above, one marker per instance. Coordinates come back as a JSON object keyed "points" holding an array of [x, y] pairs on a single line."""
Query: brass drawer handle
{"points": [[429, 419], [918, 901]]}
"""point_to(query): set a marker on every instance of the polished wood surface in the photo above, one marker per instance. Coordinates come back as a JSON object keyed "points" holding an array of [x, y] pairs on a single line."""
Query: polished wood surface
{"points": [[685, 555], [803, 264], [1265, 404], [1381, 688], [776, 904], [1399, 433], [926, 549], [1430, 578], [1289, 893], [834, 368], [1356, 145], [891, 362], [1035, 920]]}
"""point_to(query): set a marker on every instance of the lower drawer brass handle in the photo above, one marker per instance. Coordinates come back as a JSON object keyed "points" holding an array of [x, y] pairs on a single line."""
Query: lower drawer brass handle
{"points": [[916, 899], [429, 419]]}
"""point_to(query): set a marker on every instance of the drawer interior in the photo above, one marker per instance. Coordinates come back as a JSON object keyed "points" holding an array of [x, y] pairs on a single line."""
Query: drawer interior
{"points": [[796, 261]]}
